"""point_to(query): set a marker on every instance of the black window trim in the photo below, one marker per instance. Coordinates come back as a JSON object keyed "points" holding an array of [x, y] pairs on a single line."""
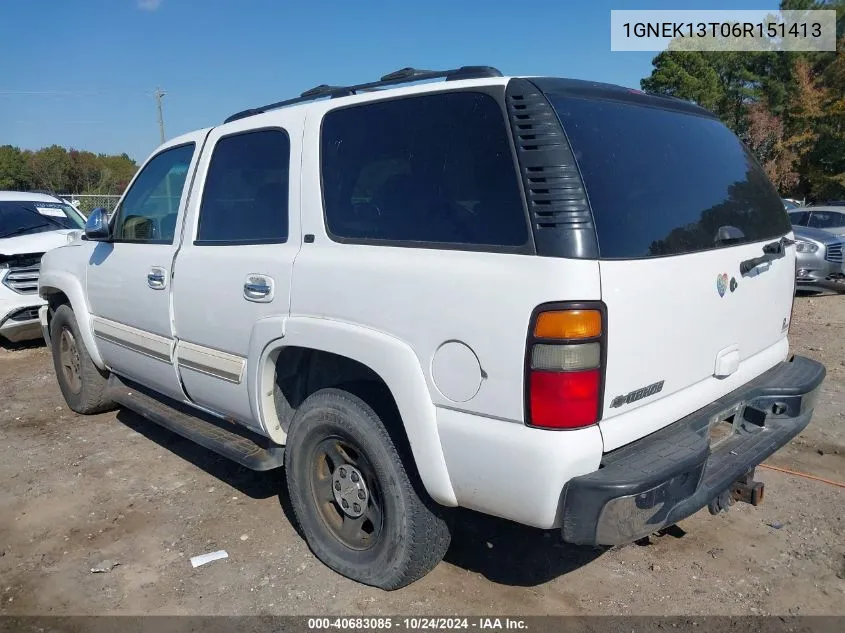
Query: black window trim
{"points": [[243, 242], [119, 206], [497, 92]]}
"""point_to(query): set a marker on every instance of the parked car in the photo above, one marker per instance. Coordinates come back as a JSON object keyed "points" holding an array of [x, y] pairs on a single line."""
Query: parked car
{"points": [[818, 257], [789, 205], [30, 224], [830, 218], [508, 294]]}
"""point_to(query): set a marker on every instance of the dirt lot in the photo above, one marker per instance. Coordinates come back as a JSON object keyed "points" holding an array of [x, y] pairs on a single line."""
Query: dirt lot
{"points": [[76, 491]]}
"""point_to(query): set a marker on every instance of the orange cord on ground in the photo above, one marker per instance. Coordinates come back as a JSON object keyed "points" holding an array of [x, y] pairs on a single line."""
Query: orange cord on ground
{"points": [[805, 475]]}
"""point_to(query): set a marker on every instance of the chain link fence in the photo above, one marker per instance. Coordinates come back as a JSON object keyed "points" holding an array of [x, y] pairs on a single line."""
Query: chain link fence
{"points": [[86, 202]]}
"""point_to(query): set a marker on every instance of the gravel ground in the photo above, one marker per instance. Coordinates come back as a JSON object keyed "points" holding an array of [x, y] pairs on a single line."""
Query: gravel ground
{"points": [[78, 491]]}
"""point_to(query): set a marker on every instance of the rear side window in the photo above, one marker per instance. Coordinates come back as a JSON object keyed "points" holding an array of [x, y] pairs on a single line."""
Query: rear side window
{"points": [[245, 200], [662, 182], [431, 169], [826, 219]]}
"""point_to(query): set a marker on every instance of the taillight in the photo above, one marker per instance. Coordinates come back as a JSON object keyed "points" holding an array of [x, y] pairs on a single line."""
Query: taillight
{"points": [[565, 358]]}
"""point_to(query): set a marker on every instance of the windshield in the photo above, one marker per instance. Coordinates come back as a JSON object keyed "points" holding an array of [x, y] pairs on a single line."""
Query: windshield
{"points": [[24, 217], [663, 182]]}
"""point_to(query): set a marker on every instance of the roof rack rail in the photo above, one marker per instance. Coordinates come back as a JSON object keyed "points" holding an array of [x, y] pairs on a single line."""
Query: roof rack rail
{"points": [[401, 76]]}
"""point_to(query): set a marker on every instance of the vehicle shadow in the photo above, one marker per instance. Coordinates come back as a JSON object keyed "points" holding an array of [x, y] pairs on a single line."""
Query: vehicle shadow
{"points": [[502, 551], [8, 346], [509, 553], [256, 485]]}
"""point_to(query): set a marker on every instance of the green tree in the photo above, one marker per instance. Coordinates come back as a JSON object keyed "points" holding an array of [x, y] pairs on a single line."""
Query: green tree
{"points": [[50, 168], [14, 172], [688, 75]]}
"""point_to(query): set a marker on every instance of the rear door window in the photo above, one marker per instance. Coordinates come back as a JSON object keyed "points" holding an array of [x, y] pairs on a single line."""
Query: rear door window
{"points": [[429, 169], [663, 182]]}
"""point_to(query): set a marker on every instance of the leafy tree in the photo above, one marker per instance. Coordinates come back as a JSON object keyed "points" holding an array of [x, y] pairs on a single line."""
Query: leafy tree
{"points": [[688, 75], [13, 168], [50, 168], [789, 107], [64, 171], [765, 138]]}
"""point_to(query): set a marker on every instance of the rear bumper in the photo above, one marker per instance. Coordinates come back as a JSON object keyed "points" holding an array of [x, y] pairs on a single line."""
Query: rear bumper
{"points": [[668, 475]]}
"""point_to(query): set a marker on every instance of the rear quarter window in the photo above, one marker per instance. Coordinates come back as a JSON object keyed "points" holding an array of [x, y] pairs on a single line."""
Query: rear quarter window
{"points": [[433, 169], [662, 182]]}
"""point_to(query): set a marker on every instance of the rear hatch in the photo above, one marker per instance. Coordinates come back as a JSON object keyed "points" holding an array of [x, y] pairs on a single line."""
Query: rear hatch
{"points": [[679, 204]]}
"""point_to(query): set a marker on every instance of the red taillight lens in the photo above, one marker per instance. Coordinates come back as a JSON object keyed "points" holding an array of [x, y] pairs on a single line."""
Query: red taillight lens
{"points": [[565, 365], [564, 400]]}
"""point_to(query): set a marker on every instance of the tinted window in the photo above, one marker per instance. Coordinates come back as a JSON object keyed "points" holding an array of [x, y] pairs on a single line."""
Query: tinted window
{"points": [[799, 218], [825, 219], [246, 190], [436, 168], [27, 217], [662, 182], [149, 210]]}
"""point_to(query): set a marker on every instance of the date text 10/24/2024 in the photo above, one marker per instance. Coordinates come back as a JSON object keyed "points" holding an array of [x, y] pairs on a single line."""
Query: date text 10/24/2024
{"points": [[415, 623]]}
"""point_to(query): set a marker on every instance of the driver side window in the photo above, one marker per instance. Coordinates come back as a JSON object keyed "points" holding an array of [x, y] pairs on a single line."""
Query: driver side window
{"points": [[150, 208]]}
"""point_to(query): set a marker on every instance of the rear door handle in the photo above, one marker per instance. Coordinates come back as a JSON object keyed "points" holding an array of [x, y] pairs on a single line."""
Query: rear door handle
{"points": [[157, 278], [258, 288]]}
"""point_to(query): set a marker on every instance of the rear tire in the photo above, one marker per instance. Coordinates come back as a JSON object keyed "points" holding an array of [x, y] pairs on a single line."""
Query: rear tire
{"points": [[83, 385], [353, 497]]}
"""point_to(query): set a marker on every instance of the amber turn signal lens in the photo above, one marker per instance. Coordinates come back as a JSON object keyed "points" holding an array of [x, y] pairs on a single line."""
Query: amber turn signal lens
{"points": [[568, 324]]}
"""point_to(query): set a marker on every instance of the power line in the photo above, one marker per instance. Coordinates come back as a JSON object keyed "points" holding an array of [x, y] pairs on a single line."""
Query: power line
{"points": [[68, 93]]}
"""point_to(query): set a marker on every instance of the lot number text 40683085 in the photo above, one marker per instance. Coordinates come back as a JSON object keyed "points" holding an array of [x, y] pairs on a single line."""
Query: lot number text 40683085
{"points": [[416, 623]]}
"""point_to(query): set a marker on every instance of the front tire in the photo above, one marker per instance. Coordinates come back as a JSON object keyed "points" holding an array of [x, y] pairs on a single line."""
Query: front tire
{"points": [[353, 497], [83, 385]]}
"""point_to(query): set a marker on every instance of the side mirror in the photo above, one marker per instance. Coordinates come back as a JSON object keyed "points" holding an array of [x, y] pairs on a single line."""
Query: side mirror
{"points": [[97, 226]]}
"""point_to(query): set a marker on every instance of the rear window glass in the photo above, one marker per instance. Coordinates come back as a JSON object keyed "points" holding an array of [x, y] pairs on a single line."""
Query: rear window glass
{"points": [[431, 169], [662, 182]]}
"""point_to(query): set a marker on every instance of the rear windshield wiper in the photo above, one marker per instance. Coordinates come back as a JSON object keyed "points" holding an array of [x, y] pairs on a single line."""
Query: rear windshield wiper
{"points": [[771, 251]]}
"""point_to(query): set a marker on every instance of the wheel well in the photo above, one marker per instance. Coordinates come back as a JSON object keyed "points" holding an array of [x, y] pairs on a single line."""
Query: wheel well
{"points": [[54, 298], [301, 371]]}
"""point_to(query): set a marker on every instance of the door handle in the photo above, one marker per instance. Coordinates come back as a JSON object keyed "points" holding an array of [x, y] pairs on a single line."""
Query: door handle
{"points": [[157, 278], [258, 288]]}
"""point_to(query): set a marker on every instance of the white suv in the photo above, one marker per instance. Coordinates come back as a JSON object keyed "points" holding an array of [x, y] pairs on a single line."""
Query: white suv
{"points": [[30, 225], [559, 302]]}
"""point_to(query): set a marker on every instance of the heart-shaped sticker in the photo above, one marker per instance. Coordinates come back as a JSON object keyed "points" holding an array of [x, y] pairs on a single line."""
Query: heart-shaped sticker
{"points": [[722, 283]]}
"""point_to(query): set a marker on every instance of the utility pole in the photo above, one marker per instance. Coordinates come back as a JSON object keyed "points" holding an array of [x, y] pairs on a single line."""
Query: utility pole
{"points": [[159, 93]]}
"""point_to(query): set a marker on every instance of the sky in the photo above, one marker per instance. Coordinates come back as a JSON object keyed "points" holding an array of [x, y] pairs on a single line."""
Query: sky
{"points": [[82, 73]]}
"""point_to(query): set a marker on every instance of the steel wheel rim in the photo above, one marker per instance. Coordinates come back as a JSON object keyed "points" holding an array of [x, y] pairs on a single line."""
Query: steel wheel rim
{"points": [[357, 529], [69, 361]]}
